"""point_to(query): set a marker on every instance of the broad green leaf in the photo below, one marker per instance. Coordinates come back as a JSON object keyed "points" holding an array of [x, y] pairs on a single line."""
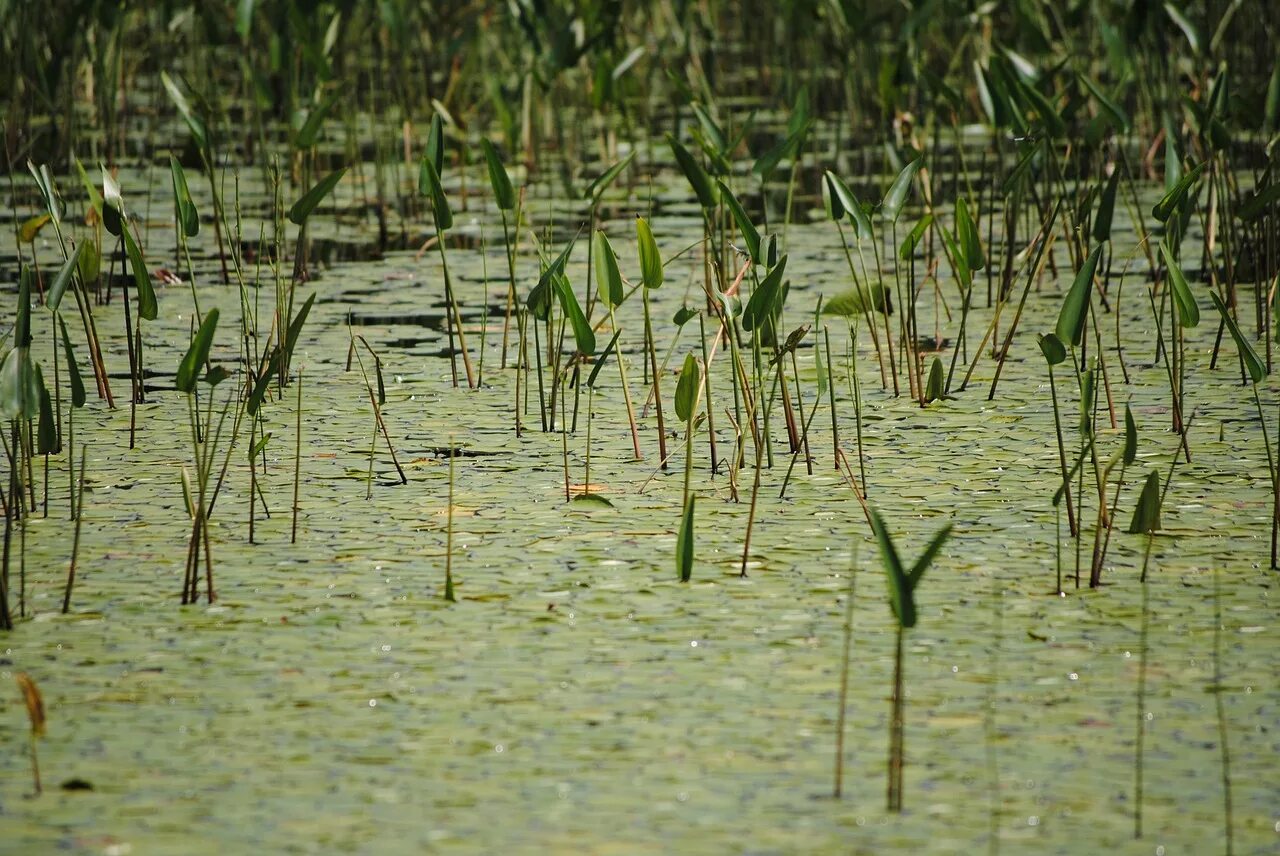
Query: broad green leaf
{"points": [[302, 209], [687, 389], [539, 300], [684, 542], [750, 235], [310, 129], [1146, 517], [1130, 436], [840, 199], [854, 301], [73, 369], [933, 388], [147, 307], [435, 144], [47, 440], [197, 353], [53, 296], [650, 259], [503, 193], [968, 238], [764, 299], [608, 277], [1168, 203], [584, 337], [1106, 208], [1184, 301], [899, 190], [1252, 363], [184, 209], [1075, 309], [683, 316], [694, 173], [1051, 346], [429, 183], [901, 599], [19, 393]]}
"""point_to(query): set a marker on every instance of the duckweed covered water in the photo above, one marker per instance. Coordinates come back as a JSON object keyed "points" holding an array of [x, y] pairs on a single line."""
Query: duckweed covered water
{"points": [[578, 698]]}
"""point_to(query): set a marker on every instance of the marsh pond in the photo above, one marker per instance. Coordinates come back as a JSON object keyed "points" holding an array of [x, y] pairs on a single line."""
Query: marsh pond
{"points": [[570, 426]]}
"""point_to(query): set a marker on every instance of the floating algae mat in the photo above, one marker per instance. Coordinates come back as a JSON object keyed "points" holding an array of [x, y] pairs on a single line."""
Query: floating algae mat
{"points": [[573, 457]]}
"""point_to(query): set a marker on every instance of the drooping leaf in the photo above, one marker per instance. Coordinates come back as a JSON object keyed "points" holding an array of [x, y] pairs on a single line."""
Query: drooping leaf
{"points": [[912, 240], [650, 259], [694, 173], [302, 209], [764, 299], [1075, 309], [197, 353], [1146, 516], [53, 296], [687, 389], [1051, 346], [684, 315], [503, 193], [30, 228], [147, 307], [539, 300], [840, 199], [583, 336], [73, 368], [1252, 363], [1109, 107], [196, 125], [47, 440], [684, 542], [608, 277], [1183, 299], [602, 359], [1169, 203], [750, 235]]}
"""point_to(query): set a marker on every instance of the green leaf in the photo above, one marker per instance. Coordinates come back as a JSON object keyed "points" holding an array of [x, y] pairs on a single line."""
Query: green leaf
{"points": [[1184, 301], [1075, 309], [185, 212], [197, 127], [687, 389], [854, 301], [53, 297], [197, 353], [901, 599], [1252, 363], [309, 132], [967, 234], [840, 199], [499, 179], [1255, 207], [1051, 346], [295, 328], [602, 359], [435, 144], [539, 299], [147, 307], [765, 297], [1146, 517], [933, 388], [750, 235], [1130, 437], [696, 175], [912, 240], [607, 177], [263, 382], [73, 369], [302, 209], [891, 207], [1168, 203], [429, 184], [19, 393], [1106, 208], [683, 316], [584, 337], [684, 542], [47, 440], [650, 259], [1188, 29], [608, 277], [926, 558], [112, 204]]}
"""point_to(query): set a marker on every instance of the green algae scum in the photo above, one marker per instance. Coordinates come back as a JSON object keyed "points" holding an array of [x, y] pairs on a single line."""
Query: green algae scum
{"points": [[574, 426]]}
